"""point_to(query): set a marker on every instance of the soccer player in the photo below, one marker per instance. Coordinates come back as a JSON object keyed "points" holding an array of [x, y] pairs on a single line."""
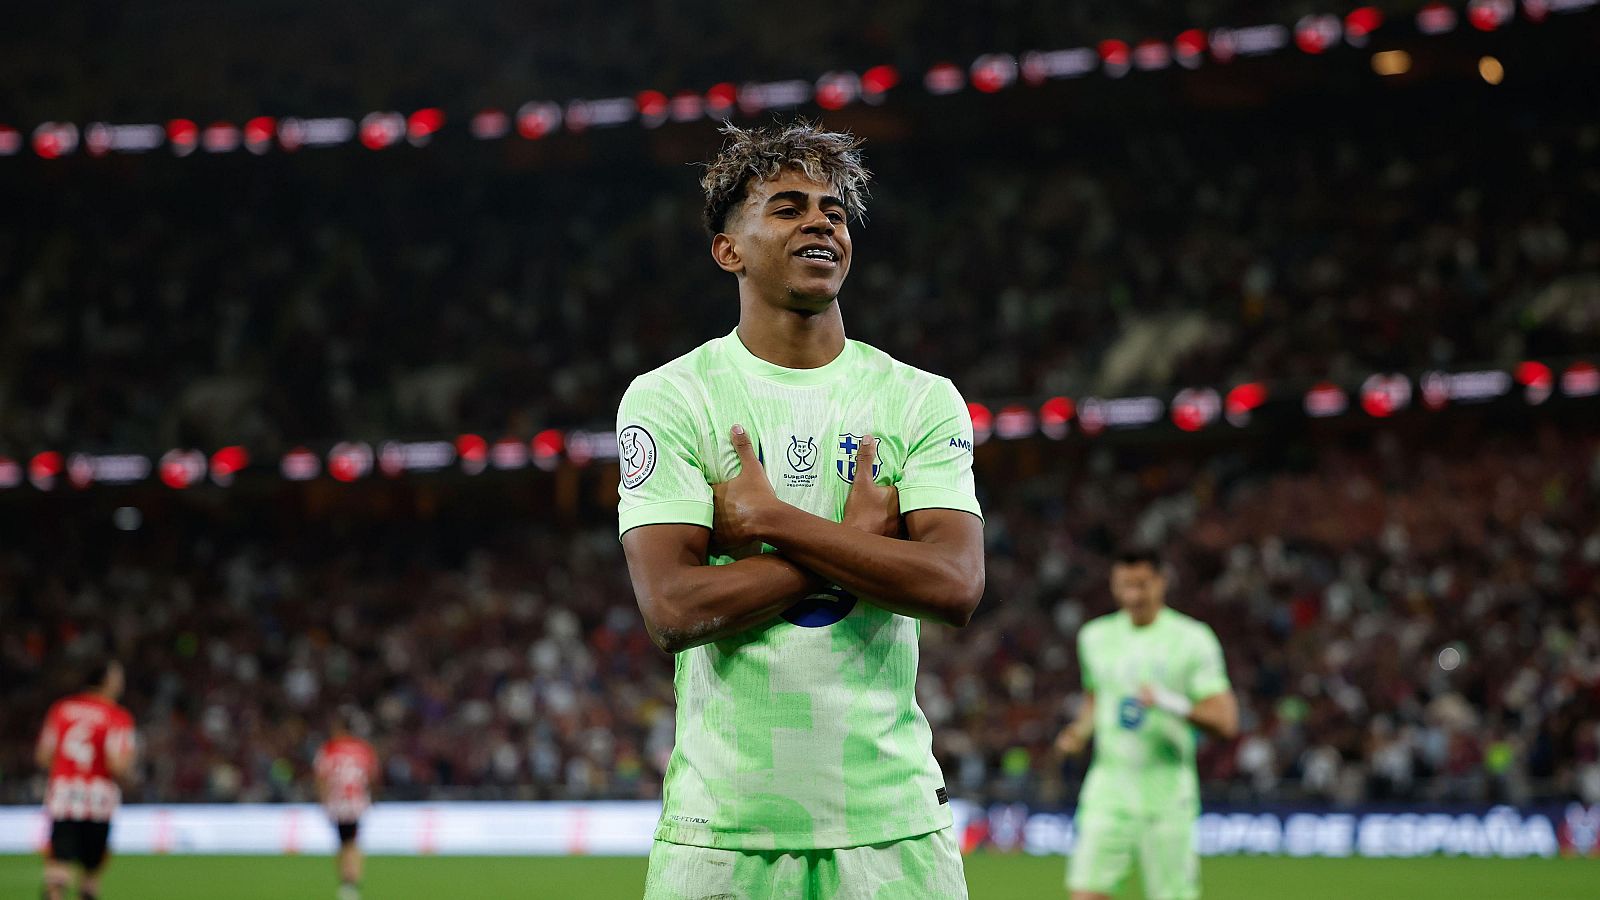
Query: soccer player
{"points": [[346, 769], [793, 506], [1151, 676], [87, 746]]}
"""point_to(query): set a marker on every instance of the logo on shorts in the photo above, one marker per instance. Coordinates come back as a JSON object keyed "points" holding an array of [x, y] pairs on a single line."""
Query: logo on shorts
{"points": [[845, 465], [636, 450], [821, 609]]}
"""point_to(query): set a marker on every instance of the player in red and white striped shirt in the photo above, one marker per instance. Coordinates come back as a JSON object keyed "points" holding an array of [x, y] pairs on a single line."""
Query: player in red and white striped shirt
{"points": [[346, 769], [88, 747]]}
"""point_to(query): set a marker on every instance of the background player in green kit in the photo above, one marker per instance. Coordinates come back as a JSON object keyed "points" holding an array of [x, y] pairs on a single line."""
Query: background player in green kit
{"points": [[793, 505], [1151, 675]]}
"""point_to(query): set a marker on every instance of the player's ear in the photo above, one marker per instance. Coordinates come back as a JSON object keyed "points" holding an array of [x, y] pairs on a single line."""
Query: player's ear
{"points": [[726, 253]]}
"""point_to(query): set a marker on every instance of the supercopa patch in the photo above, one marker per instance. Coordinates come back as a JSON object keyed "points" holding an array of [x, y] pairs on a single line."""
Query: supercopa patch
{"points": [[636, 450]]}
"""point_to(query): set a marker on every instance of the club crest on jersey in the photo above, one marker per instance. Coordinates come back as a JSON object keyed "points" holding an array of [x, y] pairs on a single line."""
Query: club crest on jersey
{"points": [[802, 461], [636, 451], [845, 465]]}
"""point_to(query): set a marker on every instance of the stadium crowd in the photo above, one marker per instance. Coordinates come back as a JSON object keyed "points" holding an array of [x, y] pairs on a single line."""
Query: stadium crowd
{"points": [[276, 301], [1399, 623]]}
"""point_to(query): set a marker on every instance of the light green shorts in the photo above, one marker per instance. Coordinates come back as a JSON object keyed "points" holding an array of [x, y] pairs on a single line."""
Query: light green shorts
{"points": [[1109, 843], [927, 867]]}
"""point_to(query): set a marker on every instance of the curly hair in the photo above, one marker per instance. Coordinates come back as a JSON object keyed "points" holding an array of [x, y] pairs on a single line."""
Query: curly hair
{"points": [[763, 153]]}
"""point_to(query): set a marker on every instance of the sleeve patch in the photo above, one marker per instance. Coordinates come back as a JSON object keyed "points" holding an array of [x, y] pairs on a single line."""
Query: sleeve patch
{"points": [[637, 452]]}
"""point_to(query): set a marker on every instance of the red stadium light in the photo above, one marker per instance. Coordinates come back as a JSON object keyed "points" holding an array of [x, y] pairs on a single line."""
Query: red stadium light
{"points": [[1243, 400], [180, 469], [1536, 10], [300, 464], [1436, 18], [1315, 34], [1055, 417], [982, 422], [423, 124], [490, 124], [720, 99], [349, 460], [836, 90], [878, 81], [1360, 24], [1115, 56], [1581, 379], [1384, 395], [1189, 48], [994, 72], [10, 141], [1196, 408], [43, 470], [382, 129], [944, 78], [1326, 399], [10, 472], [1537, 380], [53, 140], [547, 446], [1487, 15], [474, 453], [258, 134], [228, 462], [535, 120], [183, 135], [653, 107], [220, 137], [80, 470]]}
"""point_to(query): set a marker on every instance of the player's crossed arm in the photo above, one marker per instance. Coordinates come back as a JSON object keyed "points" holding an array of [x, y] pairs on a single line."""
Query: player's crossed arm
{"points": [[937, 574]]}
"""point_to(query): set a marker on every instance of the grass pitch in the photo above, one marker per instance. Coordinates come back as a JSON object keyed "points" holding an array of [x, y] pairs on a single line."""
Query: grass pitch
{"points": [[990, 877]]}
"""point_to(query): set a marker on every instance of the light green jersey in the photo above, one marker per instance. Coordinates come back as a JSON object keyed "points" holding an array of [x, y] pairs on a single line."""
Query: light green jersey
{"points": [[1144, 757], [803, 733]]}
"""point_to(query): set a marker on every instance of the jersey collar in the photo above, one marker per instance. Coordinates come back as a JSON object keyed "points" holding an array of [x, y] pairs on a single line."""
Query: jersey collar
{"points": [[749, 363]]}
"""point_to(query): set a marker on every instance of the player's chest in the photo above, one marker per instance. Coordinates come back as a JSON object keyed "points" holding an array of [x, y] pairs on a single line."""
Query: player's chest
{"points": [[1137, 664], [808, 441]]}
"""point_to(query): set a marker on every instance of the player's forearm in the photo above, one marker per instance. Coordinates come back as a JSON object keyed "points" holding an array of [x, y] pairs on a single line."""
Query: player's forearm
{"points": [[698, 604], [44, 757], [921, 579], [1218, 716]]}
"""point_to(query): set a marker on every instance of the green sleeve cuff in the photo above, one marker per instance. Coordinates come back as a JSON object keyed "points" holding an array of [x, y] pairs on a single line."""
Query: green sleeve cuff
{"points": [[1209, 689], [665, 512], [929, 497]]}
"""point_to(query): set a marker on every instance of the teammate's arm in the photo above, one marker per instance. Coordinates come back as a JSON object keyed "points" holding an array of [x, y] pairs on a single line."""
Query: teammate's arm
{"points": [[1207, 700], [1218, 714], [120, 751], [687, 602], [937, 574], [1074, 738], [44, 752]]}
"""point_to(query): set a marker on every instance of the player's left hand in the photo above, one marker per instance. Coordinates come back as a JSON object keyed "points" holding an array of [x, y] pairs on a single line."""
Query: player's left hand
{"points": [[737, 505], [872, 507]]}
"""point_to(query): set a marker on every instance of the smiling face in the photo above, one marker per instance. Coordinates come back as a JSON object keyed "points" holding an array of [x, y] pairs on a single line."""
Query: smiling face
{"points": [[788, 242]]}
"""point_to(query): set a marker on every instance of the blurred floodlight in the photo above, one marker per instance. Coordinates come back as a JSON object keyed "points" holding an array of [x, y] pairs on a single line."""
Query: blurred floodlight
{"points": [[1491, 70], [1391, 62]]}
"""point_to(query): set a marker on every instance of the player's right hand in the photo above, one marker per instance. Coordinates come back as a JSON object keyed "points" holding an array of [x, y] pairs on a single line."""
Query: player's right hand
{"points": [[872, 507], [737, 505]]}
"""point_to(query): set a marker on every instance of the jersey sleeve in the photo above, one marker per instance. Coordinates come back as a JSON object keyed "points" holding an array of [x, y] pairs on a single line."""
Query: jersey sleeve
{"points": [[938, 467], [1083, 660], [663, 480], [50, 734], [1208, 675], [120, 739]]}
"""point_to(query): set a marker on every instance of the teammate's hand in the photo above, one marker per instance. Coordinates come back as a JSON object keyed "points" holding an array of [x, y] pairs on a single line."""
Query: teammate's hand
{"points": [[737, 505], [872, 507], [1070, 742]]}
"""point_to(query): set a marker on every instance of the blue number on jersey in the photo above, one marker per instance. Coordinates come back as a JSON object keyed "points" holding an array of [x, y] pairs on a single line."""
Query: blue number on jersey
{"points": [[1131, 713], [821, 609]]}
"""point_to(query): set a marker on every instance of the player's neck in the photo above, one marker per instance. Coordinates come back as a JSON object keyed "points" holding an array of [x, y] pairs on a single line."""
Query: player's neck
{"points": [[1142, 619], [791, 339]]}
